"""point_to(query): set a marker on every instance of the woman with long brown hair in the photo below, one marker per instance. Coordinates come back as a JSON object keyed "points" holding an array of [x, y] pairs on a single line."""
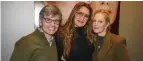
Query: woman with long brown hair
{"points": [[76, 42]]}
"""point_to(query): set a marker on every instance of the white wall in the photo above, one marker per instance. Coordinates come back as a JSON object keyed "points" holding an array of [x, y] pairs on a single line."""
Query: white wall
{"points": [[0, 28], [131, 27], [17, 21]]}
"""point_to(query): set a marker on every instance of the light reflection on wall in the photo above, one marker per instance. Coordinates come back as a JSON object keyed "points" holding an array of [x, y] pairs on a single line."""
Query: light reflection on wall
{"points": [[38, 7]]}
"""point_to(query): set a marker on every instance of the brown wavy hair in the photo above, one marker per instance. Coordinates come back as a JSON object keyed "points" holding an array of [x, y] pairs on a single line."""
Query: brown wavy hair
{"points": [[69, 32]]}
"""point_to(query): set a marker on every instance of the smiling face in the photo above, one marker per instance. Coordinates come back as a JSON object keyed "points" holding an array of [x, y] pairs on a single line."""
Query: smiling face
{"points": [[50, 24], [81, 17], [99, 23]]}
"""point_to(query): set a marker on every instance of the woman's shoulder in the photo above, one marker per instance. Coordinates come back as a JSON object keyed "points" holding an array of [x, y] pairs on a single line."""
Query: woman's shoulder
{"points": [[117, 39]]}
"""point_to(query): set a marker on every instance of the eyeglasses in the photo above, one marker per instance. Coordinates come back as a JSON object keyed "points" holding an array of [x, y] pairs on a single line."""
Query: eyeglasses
{"points": [[48, 20], [81, 14]]}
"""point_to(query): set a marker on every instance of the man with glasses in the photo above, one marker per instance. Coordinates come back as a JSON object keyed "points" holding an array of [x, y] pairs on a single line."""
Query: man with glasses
{"points": [[41, 45]]}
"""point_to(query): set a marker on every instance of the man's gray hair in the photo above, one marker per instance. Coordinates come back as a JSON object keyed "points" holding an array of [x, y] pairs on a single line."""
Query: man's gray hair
{"points": [[50, 10]]}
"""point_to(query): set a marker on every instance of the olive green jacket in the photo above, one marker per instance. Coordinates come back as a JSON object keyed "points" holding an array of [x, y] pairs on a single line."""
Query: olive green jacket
{"points": [[34, 47], [114, 48]]}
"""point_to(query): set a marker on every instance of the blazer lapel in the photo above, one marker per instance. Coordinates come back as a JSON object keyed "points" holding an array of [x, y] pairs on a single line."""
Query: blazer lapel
{"points": [[105, 48]]}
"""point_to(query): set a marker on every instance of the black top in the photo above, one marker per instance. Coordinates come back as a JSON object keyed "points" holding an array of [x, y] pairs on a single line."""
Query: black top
{"points": [[100, 40], [81, 49]]}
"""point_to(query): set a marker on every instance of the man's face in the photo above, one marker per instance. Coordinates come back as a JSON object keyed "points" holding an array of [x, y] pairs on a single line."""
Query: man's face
{"points": [[81, 17], [50, 24], [108, 6]]}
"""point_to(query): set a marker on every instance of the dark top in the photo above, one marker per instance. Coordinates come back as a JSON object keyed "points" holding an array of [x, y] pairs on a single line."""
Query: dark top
{"points": [[81, 49], [100, 40]]}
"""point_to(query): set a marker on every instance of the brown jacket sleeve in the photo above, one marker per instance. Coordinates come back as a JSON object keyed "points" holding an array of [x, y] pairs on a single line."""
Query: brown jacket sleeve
{"points": [[121, 51], [22, 51]]}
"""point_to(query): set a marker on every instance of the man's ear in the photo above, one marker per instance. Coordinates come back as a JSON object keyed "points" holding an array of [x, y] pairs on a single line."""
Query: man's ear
{"points": [[40, 22]]}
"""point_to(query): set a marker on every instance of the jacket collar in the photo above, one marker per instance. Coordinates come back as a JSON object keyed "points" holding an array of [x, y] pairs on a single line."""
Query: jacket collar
{"points": [[41, 37]]}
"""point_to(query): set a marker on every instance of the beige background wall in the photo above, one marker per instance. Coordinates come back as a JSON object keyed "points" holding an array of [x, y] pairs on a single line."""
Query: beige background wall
{"points": [[131, 27]]}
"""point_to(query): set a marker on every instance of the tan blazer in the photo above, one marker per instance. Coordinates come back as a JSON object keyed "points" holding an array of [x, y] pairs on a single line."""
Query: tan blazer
{"points": [[114, 48]]}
